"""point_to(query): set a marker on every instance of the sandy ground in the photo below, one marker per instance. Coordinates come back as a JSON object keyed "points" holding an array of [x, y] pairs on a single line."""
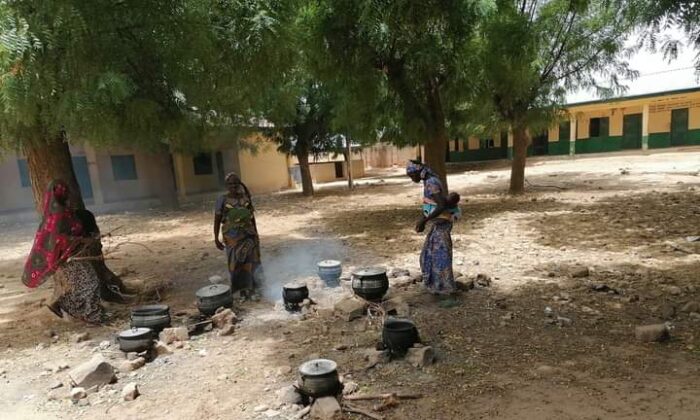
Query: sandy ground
{"points": [[499, 355]]}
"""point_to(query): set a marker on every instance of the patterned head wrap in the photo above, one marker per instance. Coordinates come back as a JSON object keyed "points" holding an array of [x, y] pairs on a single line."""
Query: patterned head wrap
{"points": [[413, 167], [54, 241]]}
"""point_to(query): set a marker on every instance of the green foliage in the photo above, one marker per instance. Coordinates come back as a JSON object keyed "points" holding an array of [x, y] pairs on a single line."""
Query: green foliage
{"points": [[657, 15], [308, 131], [397, 61], [530, 53], [188, 73]]}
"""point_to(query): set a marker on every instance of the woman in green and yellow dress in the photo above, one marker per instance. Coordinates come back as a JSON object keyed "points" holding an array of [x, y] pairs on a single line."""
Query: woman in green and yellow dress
{"points": [[234, 218]]}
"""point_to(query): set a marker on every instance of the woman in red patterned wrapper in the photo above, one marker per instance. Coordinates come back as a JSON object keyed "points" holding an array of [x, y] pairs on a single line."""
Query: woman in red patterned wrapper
{"points": [[58, 245]]}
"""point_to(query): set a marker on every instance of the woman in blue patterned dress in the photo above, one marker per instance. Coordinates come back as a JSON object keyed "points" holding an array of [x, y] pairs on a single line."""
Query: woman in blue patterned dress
{"points": [[436, 257]]}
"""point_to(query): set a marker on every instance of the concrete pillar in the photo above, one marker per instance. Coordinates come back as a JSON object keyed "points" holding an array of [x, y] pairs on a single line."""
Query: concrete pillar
{"points": [[178, 163], [645, 127], [94, 170], [572, 135]]}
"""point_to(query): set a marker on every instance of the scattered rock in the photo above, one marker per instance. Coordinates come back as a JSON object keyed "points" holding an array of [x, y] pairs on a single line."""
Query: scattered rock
{"points": [[545, 370], [78, 393], [326, 408], [668, 311], [130, 392], [350, 308], [562, 321], [695, 316], [376, 357], [604, 288], [421, 356], [162, 349], [104, 345], [581, 272], [482, 280], [673, 290], [132, 355], [397, 307], [691, 307], [261, 408], [223, 318], [227, 330], [464, 284], [651, 333], [400, 272], [340, 347], [80, 337], [56, 385], [403, 281], [284, 370], [170, 335], [94, 373], [132, 365], [350, 387], [288, 395]]}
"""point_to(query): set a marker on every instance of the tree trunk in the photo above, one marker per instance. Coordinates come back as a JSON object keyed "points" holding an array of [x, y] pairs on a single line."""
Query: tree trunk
{"points": [[437, 143], [51, 159], [517, 173], [307, 184], [348, 162], [167, 189]]}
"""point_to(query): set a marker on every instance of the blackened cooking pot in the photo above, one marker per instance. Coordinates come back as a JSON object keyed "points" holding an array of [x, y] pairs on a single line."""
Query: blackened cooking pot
{"points": [[398, 335], [319, 378], [370, 283], [293, 294], [211, 298], [135, 340], [155, 317]]}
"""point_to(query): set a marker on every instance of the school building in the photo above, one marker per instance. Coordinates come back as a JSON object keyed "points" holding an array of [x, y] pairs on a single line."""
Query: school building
{"points": [[121, 179], [641, 122]]}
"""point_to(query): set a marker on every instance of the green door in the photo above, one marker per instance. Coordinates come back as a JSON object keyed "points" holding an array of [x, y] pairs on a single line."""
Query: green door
{"points": [[632, 131], [679, 127]]}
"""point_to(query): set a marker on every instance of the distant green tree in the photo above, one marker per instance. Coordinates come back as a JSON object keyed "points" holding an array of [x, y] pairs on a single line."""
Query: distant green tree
{"points": [[403, 59], [530, 53], [306, 129]]}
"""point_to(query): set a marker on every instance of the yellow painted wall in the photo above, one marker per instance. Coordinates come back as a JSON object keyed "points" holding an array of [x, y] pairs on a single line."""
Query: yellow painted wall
{"points": [[112, 191], [266, 170], [325, 171], [188, 182], [473, 143], [694, 118], [616, 117], [660, 122], [387, 156]]}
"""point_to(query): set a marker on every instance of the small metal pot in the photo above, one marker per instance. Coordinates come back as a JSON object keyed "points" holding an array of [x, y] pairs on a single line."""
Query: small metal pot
{"points": [[211, 298], [370, 283], [135, 340], [155, 317], [293, 295], [319, 378], [399, 335], [329, 271]]}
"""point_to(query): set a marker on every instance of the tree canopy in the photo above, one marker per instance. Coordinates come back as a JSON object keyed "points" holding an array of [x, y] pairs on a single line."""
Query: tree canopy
{"points": [[530, 53], [405, 60]]}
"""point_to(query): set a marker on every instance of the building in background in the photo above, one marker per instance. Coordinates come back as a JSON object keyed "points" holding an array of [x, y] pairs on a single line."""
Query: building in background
{"points": [[121, 179]]}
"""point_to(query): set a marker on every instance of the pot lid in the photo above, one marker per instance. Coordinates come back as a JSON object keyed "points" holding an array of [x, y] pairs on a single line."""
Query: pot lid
{"points": [[150, 309], [370, 272], [135, 333], [318, 367], [213, 290], [294, 285], [329, 263]]}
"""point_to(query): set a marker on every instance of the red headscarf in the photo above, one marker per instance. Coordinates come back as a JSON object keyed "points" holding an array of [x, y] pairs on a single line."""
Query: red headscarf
{"points": [[55, 240]]}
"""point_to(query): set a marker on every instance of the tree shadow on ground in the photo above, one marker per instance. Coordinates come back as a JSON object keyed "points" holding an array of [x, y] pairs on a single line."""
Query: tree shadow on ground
{"points": [[496, 342], [646, 221]]}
